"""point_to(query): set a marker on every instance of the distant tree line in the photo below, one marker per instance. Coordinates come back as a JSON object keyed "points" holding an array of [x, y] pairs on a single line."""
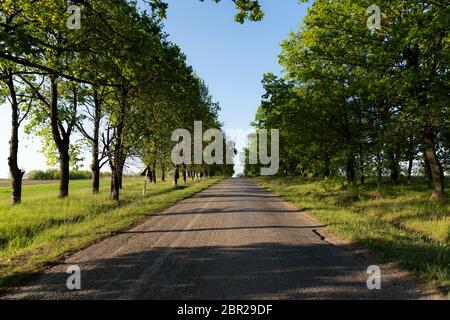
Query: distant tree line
{"points": [[54, 174]]}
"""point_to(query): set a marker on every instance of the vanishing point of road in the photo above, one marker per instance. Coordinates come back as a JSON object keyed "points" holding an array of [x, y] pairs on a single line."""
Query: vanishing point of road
{"points": [[234, 240]]}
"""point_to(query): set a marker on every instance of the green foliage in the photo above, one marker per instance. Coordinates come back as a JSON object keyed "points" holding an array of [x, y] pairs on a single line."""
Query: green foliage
{"points": [[148, 90], [362, 102], [246, 9], [53, 174]]}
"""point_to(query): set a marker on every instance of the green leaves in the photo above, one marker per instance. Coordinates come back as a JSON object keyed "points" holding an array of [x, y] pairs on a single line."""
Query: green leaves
{"points": [[357, 94]]}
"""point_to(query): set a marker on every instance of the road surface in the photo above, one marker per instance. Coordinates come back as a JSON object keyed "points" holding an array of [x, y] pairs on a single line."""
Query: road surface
{"points": [[234, 240]]}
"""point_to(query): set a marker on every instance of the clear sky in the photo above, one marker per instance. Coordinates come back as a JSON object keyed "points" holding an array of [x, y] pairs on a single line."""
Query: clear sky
{"points": [[230, 57]]}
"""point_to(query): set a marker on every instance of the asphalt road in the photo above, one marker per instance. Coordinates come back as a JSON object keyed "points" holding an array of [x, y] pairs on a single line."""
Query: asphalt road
{"points": [[233, 241]]}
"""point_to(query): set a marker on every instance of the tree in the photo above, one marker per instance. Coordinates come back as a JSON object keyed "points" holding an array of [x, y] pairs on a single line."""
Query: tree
{"points": [[380, 96], [114, 66], [20, 105], [94, 114], [246, 9]]}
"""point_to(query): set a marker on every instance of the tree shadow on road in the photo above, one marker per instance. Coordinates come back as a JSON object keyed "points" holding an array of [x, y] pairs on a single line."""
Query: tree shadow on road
{"points": [[259, 271]]}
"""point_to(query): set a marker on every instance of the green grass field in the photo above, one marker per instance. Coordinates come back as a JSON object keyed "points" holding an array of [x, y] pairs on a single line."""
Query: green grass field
{"points": [[396, 221], [43, 229]]}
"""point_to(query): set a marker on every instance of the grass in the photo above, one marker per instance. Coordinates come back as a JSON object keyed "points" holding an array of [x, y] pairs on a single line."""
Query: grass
{"points": [[42, 230], [397, 221]]}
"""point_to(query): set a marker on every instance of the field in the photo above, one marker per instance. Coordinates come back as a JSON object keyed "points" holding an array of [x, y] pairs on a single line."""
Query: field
{"points": [[43, 229], [396, 221]]}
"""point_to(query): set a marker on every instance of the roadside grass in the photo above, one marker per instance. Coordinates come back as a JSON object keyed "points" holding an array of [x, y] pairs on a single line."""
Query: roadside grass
{"points": [[396, 221], [43, 229]]}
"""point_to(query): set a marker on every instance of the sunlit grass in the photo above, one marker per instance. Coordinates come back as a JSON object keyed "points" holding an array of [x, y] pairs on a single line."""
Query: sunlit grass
{"points": [[42, 229], [397, 221]]}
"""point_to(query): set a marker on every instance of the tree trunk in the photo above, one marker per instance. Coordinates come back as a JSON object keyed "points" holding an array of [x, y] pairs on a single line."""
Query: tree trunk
{"points": [[15, 172], [327, 170], [121, 176], [154, 174], [149, 174], [379, 168], [117, 160], [163, 175], [148, 177], [393, 166], [144, 192], [95, 179], [95, 145], [176, 176], [64, 162], [95, 169], [61, 138], [427, 169], [184, 174], [362, 178], [350, 170], [410, 167], [437, 180], [115, 186]]}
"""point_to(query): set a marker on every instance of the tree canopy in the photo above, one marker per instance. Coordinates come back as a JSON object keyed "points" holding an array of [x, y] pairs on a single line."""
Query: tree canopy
{"points": [[360, 101]]}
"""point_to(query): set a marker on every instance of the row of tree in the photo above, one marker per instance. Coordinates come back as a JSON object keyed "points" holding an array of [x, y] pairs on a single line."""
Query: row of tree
{"points": [[363, 102], [115, 79]]}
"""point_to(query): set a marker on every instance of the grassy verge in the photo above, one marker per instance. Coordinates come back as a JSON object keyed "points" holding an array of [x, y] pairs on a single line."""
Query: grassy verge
{"points": [[396, 221], [43, 229]]}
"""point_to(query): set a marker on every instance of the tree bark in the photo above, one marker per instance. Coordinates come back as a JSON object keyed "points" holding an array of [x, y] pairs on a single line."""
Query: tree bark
{"points": [[176, 175], [393, 166], [95, 145], [121, 174], [154, 173], [184, 174], [410, 167], [115, 186], [327, 170], [437, 174], [148, 177], [64, 162], [95, 178], [117, 158], [350, 170], [427, 169], [15, 172], [149, 174], [61, 138]]}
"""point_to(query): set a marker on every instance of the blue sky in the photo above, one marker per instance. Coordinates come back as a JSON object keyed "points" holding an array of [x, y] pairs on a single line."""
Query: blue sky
{"points": [[230, 57]]}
